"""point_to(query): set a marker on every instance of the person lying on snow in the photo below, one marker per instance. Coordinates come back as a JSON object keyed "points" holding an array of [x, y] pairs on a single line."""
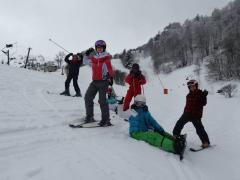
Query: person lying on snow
{"points": [[145, 128]]}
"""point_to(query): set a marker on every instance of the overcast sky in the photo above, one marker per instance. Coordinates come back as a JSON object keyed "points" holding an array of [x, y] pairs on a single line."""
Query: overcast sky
{"points": [[77, 24]]}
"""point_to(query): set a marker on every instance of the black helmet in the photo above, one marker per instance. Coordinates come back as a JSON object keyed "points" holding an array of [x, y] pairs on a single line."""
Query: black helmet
{"points": [[136, 66]]}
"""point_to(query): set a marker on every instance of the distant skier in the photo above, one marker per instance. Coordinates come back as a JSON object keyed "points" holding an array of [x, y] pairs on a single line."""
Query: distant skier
{"points": [[102, 76], [73, 72], [135, 80], [66, 69], [144, 127], [111, 99], [195, 100]]}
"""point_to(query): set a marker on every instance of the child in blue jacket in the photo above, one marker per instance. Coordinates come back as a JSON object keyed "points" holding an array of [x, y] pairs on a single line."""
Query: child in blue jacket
{"points": [[144, 127]]}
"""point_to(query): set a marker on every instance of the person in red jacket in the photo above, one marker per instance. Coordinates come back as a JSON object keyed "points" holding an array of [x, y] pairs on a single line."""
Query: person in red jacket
{"points": [[135, 79], [102, 76], [195, 100]]}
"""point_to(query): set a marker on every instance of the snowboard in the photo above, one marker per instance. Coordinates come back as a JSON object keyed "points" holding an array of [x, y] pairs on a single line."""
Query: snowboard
{"points": [[87, 125], [200, 148]]}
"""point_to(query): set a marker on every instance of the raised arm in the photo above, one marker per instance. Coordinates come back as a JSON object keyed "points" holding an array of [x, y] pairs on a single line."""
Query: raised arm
{"points": [[67, 58]]}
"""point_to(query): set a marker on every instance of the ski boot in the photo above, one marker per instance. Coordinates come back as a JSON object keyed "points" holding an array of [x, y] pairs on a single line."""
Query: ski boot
{"points": [[78, 95], [65, 93], [104, 123], [89, 120], [180, 145], [205, 145]]}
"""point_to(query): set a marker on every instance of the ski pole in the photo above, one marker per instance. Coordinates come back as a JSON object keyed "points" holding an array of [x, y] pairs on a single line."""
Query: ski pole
{"points": [[58, 45], [143, 89]]}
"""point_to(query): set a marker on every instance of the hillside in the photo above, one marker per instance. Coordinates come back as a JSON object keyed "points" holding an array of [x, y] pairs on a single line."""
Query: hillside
{"points": [[37, 144]]}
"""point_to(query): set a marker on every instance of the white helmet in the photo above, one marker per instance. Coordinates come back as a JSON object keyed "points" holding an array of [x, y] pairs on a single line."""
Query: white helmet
{"points": [[140, 99]]}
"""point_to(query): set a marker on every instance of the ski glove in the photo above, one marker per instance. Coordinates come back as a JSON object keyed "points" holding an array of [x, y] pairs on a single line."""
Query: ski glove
{"points": [[89, 51], [80, 56], [110, 81], [204, 97], [205, 93]]}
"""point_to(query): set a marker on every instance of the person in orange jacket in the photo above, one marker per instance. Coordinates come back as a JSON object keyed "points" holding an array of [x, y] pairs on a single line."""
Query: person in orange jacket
{"points": [[135, 79]]}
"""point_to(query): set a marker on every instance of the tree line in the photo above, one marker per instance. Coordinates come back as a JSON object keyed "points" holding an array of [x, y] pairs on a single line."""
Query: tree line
{"points": [[216, 37]]}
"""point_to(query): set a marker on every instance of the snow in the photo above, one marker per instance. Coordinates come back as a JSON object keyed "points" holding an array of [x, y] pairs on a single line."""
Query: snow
{"points": [[37, 144]]}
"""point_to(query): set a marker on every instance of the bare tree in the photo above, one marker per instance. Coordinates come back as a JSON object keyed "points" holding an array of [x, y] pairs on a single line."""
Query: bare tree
{"points": [[60, 58], [41, 59], [119, 77], [228, 90]]}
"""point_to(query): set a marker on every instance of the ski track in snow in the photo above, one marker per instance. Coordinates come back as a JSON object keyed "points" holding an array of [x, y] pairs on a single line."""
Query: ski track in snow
{"points": [[36, 142]]}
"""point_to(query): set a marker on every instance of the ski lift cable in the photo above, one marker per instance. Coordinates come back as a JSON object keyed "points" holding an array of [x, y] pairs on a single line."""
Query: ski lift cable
{"points": [[160, 81]]}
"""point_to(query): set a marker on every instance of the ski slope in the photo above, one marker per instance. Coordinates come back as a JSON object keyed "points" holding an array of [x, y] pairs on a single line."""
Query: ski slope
{"points": [[36, 142]]}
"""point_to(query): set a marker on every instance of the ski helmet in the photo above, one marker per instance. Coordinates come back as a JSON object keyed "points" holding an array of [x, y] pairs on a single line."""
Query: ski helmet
{"points": [[136, 66], [100, 43], [135, 69], [192, 82], [140, 100]]}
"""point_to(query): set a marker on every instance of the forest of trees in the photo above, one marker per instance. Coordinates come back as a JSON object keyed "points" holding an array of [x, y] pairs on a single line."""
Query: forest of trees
{"points": [[216, 37]]}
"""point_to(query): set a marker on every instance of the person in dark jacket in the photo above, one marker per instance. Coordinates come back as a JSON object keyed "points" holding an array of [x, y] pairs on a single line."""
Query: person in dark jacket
{"points": [[142, 126], [73, 72], [135, 80], [195, 100]]}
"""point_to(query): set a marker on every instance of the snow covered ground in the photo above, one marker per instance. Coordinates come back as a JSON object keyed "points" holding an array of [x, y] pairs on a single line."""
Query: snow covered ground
{"points": [[36, 142]]}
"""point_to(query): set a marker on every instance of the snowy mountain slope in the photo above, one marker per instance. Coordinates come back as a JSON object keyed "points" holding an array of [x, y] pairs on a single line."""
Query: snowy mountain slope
{"points": [[36, 142]]}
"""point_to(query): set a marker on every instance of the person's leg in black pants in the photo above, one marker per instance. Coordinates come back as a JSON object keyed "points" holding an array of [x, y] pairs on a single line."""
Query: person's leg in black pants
{"points": [[67, 84], [179, 125], [89, 104], [75, 85], [201, 131]]}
